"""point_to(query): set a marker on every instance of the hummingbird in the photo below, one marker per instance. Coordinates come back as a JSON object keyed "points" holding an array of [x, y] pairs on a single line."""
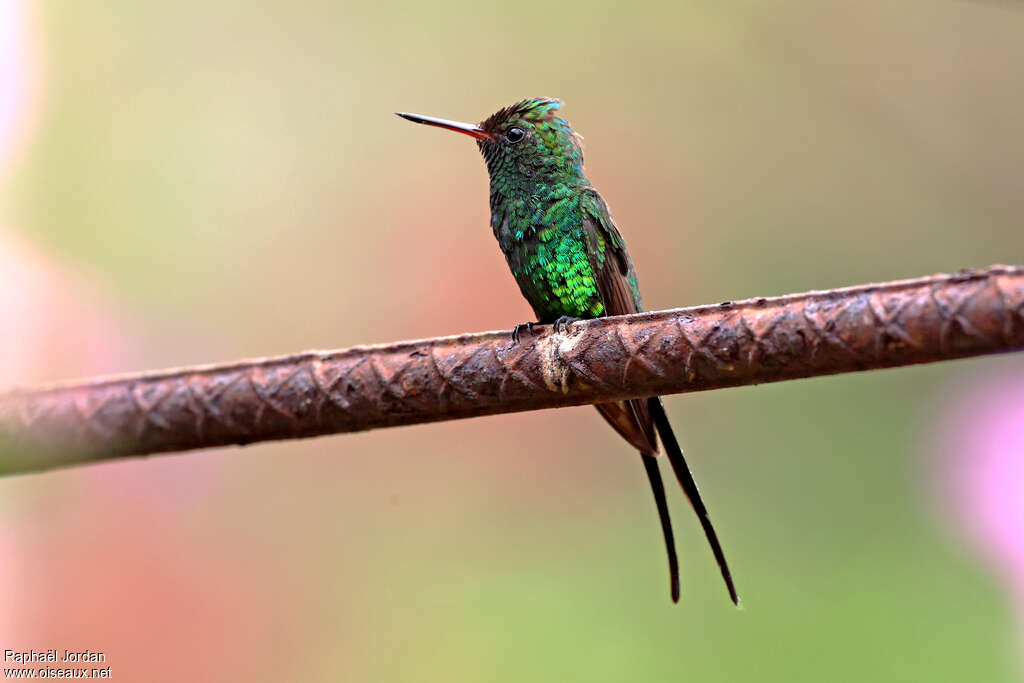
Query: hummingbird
{"points": [[571, 263]]}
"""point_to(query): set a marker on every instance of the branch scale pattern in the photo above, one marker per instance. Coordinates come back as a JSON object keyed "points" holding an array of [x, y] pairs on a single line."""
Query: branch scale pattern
{"points": [[689, 349]]}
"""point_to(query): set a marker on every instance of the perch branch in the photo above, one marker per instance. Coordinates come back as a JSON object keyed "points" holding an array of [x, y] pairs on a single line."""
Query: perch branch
{"points": [[664, 352]]}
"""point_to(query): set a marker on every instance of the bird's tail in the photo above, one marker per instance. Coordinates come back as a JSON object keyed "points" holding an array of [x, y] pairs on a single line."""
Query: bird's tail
{"points": [[658, 488], [675, 457]]}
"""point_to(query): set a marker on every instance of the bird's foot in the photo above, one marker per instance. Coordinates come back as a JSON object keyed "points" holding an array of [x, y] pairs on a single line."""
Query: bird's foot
{"points": [[517, 331], [563, 323]]}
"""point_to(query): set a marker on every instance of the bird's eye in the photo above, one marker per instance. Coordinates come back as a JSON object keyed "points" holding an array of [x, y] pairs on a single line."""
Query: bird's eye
{"points": [[514, 135]]}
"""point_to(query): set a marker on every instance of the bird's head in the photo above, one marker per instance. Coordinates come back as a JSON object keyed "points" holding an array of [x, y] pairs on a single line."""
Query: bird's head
{"points": [[523, 143]]}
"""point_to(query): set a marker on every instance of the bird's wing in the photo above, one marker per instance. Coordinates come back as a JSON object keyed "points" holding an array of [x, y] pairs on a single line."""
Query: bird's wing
{"points": [[616, 282], [608, 257]]}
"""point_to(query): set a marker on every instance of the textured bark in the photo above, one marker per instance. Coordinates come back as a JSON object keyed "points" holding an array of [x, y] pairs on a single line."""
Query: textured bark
{"points": [[690, 349]]}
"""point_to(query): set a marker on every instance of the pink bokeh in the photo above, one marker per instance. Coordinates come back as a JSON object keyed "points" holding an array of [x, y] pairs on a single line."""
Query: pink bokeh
{"points": [[64, 324], [981, 436], [58, 322], [18, 80]]}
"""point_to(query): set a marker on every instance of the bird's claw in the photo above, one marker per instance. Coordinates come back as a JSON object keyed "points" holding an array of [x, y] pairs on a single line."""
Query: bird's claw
{"points": [[563, 323], [517, 331]]}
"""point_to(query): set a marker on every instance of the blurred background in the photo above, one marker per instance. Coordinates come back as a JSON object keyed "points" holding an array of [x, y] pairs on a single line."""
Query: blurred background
{"points": [[192, 182]]}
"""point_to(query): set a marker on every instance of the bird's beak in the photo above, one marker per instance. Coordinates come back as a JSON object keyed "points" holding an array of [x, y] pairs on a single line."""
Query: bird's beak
{"points": [[469, 129]]}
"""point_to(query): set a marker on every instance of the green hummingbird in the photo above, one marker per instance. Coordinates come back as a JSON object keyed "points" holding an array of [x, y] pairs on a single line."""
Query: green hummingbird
{"points": [[571, 263]]}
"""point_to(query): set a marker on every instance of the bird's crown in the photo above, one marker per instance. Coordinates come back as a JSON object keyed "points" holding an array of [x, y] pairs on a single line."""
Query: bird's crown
{"points": [[532, 132]]}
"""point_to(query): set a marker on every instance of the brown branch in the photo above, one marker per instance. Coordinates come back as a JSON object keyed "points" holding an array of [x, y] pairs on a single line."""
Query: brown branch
{"points": [[688, 349]]}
